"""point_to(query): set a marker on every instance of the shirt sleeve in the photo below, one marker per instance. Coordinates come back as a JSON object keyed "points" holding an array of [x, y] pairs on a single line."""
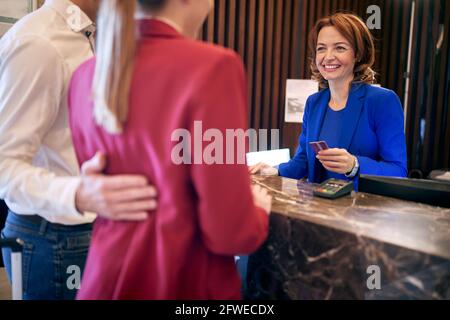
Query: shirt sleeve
{"points": [[32, 84], [230, 222]]}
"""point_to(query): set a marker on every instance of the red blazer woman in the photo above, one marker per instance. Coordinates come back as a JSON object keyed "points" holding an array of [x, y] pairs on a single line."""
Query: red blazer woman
{"points": [[205, 214]]}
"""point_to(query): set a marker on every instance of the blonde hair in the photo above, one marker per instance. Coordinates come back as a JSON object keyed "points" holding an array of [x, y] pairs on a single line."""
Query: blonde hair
{"points": [[356, 32], [116, 46]]}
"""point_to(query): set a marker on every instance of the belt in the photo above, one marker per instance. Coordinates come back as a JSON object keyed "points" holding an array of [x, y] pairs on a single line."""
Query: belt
{"points": [[38, 220], [35, 219]]}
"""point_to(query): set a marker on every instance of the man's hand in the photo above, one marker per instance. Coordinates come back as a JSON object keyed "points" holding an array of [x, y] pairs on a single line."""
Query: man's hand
{"points": [[119, 197]]}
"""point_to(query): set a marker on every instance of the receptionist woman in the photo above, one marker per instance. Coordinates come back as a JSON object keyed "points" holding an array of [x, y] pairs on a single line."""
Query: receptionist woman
{"points": [[362, 124]]}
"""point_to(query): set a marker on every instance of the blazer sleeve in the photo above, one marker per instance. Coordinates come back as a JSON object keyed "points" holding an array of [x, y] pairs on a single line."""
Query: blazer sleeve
{"points": [[389, 128], [297, 167], [230, 223]]}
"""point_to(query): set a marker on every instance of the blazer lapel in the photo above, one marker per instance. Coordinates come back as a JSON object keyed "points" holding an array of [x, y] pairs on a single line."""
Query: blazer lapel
{"points": [[353, 113]]}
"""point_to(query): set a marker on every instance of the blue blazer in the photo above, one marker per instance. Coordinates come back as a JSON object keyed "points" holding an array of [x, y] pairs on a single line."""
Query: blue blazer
{"points": [[373, 132]]}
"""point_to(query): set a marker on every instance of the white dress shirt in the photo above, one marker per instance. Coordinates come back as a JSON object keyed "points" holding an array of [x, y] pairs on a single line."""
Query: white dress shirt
{"points": [[38, 166]]}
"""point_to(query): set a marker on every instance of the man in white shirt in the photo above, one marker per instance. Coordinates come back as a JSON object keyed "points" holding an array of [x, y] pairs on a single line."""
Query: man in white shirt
{"points": [[40, 179]]}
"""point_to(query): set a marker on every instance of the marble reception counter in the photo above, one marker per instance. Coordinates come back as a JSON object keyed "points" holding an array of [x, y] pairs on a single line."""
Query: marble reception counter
{"points": [[361, 246]]}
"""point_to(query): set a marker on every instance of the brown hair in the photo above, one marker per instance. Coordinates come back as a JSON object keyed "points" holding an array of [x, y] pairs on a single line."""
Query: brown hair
{"points": [[116, 46], [358, 35]]}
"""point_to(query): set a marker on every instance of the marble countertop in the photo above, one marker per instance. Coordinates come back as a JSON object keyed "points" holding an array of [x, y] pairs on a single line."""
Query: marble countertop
{"points": [[410, 225]]}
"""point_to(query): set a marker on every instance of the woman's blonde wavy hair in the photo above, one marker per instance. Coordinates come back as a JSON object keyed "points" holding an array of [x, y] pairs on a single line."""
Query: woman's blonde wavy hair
{"points": [[352, 28]]}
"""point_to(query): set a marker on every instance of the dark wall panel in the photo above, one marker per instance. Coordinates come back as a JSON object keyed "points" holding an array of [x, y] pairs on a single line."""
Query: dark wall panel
{"points": [[428, 115]]}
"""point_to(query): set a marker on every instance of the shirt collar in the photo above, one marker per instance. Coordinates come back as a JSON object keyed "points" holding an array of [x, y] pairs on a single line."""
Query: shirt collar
{"points": [[69, 11]]}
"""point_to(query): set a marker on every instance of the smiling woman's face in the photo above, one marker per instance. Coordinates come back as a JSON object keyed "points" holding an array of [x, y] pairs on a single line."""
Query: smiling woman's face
{"points": [[335, 57]]}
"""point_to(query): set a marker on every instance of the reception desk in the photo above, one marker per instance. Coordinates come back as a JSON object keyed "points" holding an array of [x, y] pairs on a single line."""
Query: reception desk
{"points": [[361, 246]]}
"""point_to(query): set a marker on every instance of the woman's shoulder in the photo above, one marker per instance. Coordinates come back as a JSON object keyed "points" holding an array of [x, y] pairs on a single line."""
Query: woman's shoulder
{"points": [[382, 102], [376, 93], [207, 52]]}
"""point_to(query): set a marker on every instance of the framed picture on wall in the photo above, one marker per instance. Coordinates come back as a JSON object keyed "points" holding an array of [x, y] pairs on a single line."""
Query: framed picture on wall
{"points": [[297, 92], [12, 10]]}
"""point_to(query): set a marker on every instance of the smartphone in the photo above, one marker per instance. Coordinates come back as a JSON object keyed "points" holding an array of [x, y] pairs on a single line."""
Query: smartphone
{"points": [[318, 146]]}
